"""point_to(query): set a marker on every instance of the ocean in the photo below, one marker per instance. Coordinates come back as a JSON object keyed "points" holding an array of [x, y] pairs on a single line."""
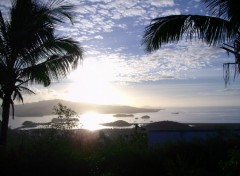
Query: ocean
{"points": [[93, 120]]}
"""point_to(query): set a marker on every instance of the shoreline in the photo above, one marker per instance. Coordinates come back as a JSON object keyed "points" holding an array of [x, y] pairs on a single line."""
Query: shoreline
{"points": [[126, 133], [160, 125]]}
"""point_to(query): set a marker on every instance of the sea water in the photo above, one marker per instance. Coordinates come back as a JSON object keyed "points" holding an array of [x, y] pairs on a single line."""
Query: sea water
{"points": [[93, 121]]}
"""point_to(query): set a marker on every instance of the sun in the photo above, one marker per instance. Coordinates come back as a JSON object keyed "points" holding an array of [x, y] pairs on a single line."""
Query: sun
{"points": [[92, 84]]}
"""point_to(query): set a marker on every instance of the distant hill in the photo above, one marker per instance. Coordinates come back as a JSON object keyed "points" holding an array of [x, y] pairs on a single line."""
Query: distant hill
{"points": [[42, 108]]}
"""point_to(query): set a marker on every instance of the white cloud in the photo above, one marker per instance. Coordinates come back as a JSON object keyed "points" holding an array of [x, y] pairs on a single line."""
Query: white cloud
{"points": [[116, 15], [98, 37], [166, 63], [171, 12], [87, 23], [162, 3], [103, 12], [135, 11], [120, 49], [86, 9], [153, 13], [95, 14], [123, 26], [83, 38]]}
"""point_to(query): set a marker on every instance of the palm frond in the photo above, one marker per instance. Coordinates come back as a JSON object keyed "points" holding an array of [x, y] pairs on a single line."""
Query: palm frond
{"points": [[28, 28], [53, 46], [230, 69], [59, 11], [17, 92], [54, 68], [17, 95], [218, 8], [35, 26], [26, 90], [3, 42], [176, 27], [58, 57], [2, 29], [226, 9]]}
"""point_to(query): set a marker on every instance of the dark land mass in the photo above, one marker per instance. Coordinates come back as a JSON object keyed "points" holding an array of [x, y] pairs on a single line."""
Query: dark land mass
{"points": [[123, 115], [42, 108], [118, 123], [145, 117], [171, 125]]}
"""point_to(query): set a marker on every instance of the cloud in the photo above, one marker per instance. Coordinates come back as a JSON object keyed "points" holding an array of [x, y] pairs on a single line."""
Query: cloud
{"points": [[166, 63], [95, 16], [4, 6], [135, 11], [98, 37], [171, 12], [5, 3], [162, 3]]}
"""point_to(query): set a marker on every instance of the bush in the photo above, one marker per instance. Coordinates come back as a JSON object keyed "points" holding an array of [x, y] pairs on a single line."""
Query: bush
{"points": [[42, 152]]}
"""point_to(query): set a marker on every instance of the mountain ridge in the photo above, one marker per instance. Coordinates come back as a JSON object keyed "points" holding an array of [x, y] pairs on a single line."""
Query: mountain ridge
{"points": [[45, 107]]}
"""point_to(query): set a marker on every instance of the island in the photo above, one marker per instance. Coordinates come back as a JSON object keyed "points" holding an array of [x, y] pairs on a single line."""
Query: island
{"points": [[145, 117], [118, 123], [123, 115], [43, 108]]}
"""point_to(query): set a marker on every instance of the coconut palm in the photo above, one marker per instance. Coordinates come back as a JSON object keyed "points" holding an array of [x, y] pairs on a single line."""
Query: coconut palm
{"points": [[235, 50], [221, 29], [31, 52]]}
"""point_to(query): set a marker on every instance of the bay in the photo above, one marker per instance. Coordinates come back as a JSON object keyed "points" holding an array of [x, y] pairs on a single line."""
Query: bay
{"points": [[93, 120]]}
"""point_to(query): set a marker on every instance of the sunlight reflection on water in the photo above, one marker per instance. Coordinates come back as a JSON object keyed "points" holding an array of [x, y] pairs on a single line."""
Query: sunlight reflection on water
{"points": [[90, 121], [93, 120]]}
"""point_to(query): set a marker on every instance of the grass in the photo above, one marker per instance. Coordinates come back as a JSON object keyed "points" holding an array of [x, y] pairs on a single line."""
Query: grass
{"points": [[48, 152]]}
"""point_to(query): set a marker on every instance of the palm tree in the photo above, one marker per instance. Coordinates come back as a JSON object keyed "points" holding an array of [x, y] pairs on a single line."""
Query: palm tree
{"points": [[221, 29], [235, 50], [31, 52]]}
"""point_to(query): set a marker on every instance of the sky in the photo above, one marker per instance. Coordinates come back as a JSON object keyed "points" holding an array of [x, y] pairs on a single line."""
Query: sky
{"points": [[117, 70]]}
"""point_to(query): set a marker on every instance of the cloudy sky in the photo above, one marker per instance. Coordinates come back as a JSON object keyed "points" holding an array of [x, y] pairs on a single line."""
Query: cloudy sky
{"points": [[116, 70]]}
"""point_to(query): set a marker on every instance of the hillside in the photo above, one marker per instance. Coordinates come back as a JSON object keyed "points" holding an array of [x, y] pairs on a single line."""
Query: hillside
{"points": [[42, 108]]}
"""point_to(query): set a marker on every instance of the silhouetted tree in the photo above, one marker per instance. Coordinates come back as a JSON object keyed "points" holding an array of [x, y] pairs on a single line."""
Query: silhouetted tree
{"points": [[31, 52], [221, 29], [67, 118]]}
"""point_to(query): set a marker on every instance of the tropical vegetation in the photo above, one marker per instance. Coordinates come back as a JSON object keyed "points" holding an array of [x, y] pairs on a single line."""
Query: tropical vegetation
{"points": [[31, 51], [45, 152], [221, 29]]}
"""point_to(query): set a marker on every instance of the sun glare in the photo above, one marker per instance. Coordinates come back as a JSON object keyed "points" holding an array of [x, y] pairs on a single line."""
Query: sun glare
{"points": [[91, 84], [92, 121]]}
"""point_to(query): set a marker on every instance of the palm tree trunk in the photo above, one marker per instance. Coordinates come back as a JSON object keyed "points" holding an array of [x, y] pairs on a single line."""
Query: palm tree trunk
{"points": [[5, 118]]}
